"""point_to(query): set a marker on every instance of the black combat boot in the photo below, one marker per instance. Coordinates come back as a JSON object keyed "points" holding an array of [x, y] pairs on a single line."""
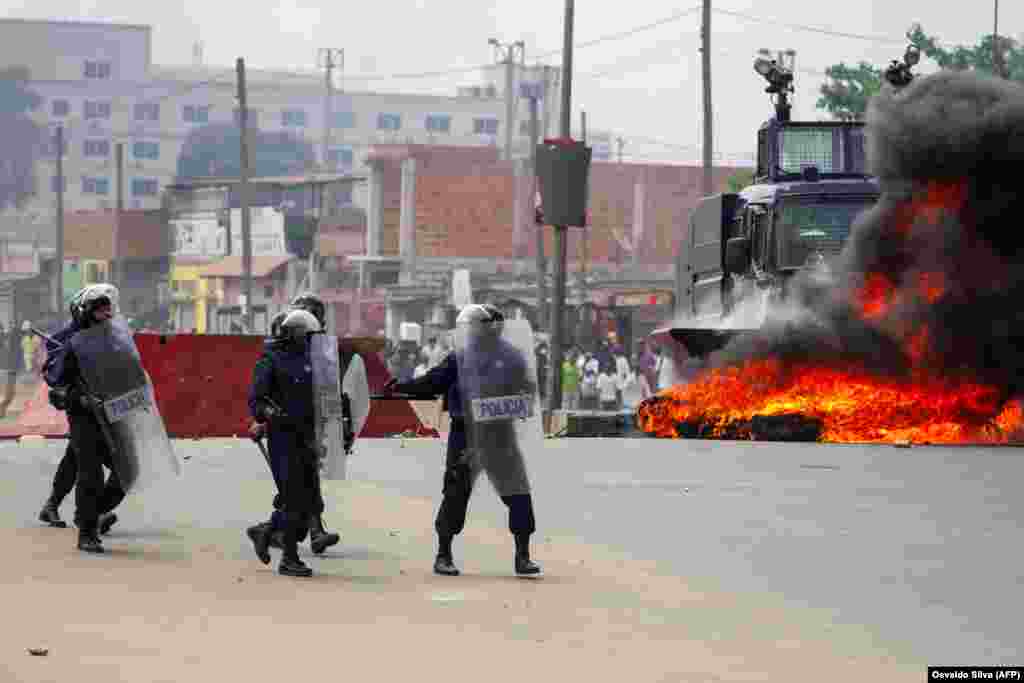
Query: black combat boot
{"points": [[107, 520], [50, 514], [89, 541], [444, 564], [319, 539], [291, 564], [260, 537], [525, 567]]}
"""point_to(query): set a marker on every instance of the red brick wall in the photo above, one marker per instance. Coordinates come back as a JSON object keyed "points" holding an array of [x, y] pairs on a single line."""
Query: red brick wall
{"points": [[464, 215], [464, 207]]}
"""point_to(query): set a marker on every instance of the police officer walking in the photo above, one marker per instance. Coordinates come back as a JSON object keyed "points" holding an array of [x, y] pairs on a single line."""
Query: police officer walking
{"points": [[91, 451], [482, 366], [67, 470], [319, 538], [281, 400]]}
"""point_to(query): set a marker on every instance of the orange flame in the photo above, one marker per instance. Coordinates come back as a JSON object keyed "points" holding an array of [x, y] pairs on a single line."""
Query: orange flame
{"points": [[853, 404]]}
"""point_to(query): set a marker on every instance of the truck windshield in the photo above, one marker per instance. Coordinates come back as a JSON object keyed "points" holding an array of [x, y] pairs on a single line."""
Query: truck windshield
{"points": [[807, 226]]}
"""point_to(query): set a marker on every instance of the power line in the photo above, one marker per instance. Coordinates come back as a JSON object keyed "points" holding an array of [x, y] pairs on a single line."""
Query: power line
{"points": [[620, 35], [812, 29]]}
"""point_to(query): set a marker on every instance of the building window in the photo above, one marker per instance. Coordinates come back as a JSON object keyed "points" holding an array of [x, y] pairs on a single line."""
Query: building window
{"points": [[341, 156], [485, 126], [253, 115], [96, 186], [97, 69], [55, 184], [293, 117], [344, 119], [389, 121], [146, 150], [439, 123], [96, 148], [97, 110], [60, 107], [194, 113], [144, 187], [147, 111]]}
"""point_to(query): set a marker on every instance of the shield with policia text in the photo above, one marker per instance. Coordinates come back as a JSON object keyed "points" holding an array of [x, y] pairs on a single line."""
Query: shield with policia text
{"points": [[341, 405], [112, 371], [498, 383]]}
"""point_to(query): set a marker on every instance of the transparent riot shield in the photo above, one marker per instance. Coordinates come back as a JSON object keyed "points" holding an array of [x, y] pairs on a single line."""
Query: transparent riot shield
{"points": [[498, 384], [112, 373], [356, 388], [328, 410]]}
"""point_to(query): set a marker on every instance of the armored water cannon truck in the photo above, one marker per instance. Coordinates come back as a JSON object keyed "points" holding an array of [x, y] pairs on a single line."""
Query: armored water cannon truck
{"points": [[739, 251]]}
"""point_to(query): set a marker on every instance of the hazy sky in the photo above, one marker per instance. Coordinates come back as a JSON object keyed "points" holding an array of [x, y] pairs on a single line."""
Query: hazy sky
{"points": [[645, 87]]}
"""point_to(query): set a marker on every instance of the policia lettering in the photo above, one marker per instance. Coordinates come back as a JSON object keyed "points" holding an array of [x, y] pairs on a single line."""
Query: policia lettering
{"points": [[489, 389]]}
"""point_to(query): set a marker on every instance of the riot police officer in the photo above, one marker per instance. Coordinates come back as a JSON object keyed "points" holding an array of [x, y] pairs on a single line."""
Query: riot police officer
{"points": [[67, 470], [281, 398], [482, 323], [91, 450], [319, 538]]}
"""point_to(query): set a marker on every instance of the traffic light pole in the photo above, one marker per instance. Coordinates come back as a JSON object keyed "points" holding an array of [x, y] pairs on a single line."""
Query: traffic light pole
{"points": [[561, 231]]}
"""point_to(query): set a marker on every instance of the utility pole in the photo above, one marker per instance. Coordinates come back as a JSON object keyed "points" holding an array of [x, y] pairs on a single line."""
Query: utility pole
{"points": [[506, 54], [58, 299], [709, 180], [115, 267], [328, 55], [585, 242], [621, 143], [243, 193], [542, 266], [558, 307], [998, 68]]}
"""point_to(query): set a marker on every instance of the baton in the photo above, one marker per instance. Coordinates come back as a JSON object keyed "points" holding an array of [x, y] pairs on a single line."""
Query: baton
{"points": [[46, 337], [258, 440]]}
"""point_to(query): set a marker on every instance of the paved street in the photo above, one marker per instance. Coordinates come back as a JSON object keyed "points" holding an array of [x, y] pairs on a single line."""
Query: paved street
{"points": [[915, 549], [922, 544]]}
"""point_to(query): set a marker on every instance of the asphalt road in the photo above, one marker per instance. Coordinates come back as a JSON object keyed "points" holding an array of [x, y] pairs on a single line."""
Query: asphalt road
{"points": [[921, 545]]}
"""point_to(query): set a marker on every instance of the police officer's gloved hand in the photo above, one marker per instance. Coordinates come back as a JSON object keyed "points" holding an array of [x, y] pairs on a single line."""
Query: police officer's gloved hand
{"points": [[59, 397], [269, 412]]}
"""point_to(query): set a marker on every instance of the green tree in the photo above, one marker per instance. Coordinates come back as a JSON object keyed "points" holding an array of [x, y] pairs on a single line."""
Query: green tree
{"points": [[845, 96], [22, 138], [973, 57]]}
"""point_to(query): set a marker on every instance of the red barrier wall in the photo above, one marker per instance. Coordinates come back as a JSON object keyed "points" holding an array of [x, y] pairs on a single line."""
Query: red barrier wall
{"points": [[202, 385]]}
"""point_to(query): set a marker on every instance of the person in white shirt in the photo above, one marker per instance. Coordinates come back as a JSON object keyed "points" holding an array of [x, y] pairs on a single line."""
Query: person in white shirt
{"points": [[623, 377], [434, 353], [588, 383], [607, 389]]}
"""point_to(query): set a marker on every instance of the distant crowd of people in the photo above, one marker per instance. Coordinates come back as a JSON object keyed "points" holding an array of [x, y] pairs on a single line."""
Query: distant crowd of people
{"points": [[604, 378]]}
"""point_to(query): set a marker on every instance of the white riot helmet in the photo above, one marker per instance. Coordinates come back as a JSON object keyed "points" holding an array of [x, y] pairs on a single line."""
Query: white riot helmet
{"points": [[298, 324], [92, 297], [483, 321]]}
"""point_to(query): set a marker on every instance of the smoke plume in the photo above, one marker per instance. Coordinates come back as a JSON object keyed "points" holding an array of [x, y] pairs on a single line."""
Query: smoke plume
{"points": [[932, 277]]}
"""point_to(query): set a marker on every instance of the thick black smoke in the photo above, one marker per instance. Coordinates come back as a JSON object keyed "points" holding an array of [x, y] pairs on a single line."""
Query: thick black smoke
{"points": [[947, 236]]}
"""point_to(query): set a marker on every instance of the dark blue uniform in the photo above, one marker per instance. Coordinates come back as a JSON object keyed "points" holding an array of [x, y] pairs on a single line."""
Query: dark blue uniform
{"points": [[90, 449], [284, 374], [443, 380]]}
